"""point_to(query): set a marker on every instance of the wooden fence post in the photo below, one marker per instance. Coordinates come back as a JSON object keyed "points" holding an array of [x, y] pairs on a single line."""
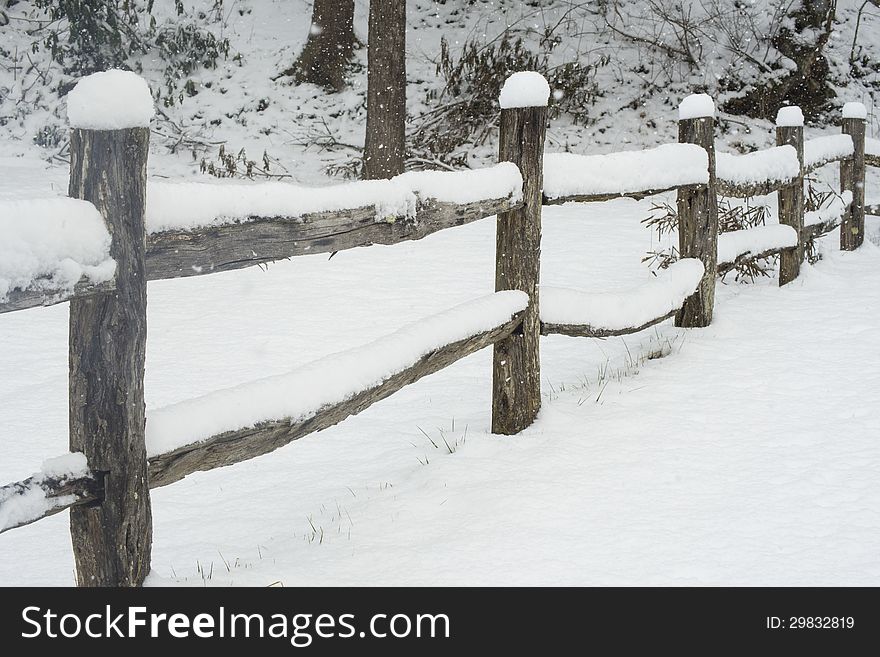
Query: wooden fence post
{"points": [[790, 132], [108, 332], [698, 211], [852, 177], [516, 370]]}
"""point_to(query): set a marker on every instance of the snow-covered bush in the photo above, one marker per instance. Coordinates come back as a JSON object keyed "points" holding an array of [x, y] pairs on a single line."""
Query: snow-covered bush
{"points": [[732, 216], [465, 110], [754, 56], [84, 36]]}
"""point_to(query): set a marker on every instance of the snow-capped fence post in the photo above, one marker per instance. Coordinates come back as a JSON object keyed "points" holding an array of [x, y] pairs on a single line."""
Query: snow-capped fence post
{"points": [[109, 115], [852, 177], [698, 211], [516, 370], [790, 132]]}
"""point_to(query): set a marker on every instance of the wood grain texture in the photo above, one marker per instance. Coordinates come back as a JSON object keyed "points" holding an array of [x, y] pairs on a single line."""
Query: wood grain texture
{"points": [[817, 230], [599, 198], [60, 493], [748, 190], [24, 299], [818, 164], [724, 267], [698, 226], [852, 178], [587, 331], [176, 254], [516, 369], [108, 334], [791, 205]]}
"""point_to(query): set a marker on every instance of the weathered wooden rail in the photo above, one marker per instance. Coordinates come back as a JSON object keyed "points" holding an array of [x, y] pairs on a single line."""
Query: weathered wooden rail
{"points": [[110, 511]]}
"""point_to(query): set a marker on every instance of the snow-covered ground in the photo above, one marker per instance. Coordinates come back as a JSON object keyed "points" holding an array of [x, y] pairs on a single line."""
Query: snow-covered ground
{"points": [[744, 453], [747, 455]]}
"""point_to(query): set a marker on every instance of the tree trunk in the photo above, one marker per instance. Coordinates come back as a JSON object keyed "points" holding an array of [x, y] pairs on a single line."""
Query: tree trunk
{"points": [[329, 48], [384, 148]]}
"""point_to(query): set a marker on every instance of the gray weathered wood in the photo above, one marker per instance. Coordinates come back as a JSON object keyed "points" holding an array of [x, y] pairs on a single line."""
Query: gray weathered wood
{"points": [[818, 164], [235, 446], [60, 493], [724, 267], [599, 198], [791, 205], [873, 210], [24, 299], [698, 225], [175, 254], [872, 160], [748, 190], [852, 177], [516, 369], [587, 331], [817, 230], [108, 333]]}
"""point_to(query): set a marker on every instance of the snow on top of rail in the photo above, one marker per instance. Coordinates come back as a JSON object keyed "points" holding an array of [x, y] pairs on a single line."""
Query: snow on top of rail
{"points": [[833, 212], [630, 309], [854, 110], [524, 89], [28, 503], [769, 165], [872, 146], [789, 117], [828, 148], [696, 106], [301, 393], [754, 241], [50, 244], [468, 186], [670, 165], [111, 100], [189, 205]]}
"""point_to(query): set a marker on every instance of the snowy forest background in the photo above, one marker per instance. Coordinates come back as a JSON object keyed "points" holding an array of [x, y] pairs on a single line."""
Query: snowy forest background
{"points": [[236, 74]]}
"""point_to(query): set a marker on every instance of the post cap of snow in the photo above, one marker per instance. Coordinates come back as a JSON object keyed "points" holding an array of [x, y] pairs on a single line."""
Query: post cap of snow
{"points": [[696, 106], [112, 100], [524, 89], [789, 117], [854, 111]]}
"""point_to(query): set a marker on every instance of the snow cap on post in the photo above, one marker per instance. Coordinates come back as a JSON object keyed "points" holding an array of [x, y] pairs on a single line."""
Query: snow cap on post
{"points": [[854, 111], [789, 117], [112, 100], [524, 89], [696, 106]]}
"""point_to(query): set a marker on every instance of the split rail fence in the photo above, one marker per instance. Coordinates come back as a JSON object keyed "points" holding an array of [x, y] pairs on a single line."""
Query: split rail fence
{"points": [[109, 499]]}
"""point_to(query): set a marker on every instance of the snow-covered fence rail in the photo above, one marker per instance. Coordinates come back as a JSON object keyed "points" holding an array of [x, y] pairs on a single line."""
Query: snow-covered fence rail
{"points": [[758, 173], [237, 424], [190, 232], [236, 245], [633, 174], [600, 315]]}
